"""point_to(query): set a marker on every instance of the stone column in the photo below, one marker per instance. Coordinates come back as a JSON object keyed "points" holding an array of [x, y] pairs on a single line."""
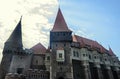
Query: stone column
{"points": [[109, 72], [116, 69], [100, 76], [86, 70]]}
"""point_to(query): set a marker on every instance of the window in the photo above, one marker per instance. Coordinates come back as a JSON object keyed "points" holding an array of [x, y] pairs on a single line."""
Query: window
{"points": [[56, 45], [63, 34], [64, 45], [89, 56], [75, 54], [36, 61], [20, 57], [60, 55], [19, 70], [83, 54], [48, 57], [105, 59], [95, 57]]}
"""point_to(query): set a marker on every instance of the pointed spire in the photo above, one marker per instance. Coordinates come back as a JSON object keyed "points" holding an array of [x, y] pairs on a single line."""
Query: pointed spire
{"points": [[15, 39], [111, 52], [60, 24]]}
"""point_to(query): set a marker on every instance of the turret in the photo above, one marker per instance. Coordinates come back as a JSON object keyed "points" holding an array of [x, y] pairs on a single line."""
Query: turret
{"points": [[15, 39], [14, 42], [60, 32]]}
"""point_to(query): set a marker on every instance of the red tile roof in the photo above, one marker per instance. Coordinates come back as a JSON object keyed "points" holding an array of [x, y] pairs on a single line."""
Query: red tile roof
{"points": [[93, 44], [38, 49], [60, 24]]}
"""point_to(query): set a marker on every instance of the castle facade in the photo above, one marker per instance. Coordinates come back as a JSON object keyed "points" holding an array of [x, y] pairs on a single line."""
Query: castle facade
{"points": [[67, 57]]}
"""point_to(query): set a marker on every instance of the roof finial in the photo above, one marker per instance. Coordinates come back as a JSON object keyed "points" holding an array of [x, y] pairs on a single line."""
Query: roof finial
{"points": [[21, 17]]}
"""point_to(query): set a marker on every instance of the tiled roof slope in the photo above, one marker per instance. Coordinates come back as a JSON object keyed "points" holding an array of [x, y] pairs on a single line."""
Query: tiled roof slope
{"points": [[38, 49], [60, 24], [92, 44]]}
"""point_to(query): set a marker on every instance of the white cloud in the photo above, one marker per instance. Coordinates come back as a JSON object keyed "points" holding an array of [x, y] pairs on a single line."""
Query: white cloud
{"points": [[35, 23]]}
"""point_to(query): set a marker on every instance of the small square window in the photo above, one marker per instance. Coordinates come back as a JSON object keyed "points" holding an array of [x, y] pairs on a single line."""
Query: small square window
{"points": [[60, 55], [48, 57]]}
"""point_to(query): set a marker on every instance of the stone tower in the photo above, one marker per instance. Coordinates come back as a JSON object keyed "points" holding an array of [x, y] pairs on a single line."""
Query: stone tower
{"points": [[21, 58], [60, 41], [14, 42]]}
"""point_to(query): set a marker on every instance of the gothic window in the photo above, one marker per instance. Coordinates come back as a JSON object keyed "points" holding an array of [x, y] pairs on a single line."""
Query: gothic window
{"points": [[57, 34]]}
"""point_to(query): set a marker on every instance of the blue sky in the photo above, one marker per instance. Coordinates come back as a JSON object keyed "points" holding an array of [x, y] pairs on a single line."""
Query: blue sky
{"points": [[95, 19]]}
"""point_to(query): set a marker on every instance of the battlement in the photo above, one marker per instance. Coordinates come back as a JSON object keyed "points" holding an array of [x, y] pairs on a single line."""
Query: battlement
{"points": [[14, 76]]}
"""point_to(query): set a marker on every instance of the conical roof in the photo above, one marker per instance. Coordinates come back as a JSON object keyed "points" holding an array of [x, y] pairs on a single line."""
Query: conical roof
{"points": [[15, 39], [60, 24]]}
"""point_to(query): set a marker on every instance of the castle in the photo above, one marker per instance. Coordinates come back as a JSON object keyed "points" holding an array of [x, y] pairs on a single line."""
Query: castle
{"points": [[67, 57]]}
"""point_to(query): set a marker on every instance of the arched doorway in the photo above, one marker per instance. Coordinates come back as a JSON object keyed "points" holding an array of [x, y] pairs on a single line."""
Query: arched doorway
{"points": [[61, 78]]}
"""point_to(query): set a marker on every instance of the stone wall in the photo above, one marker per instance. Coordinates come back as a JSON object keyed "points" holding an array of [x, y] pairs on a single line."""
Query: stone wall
{"points": [[37, 74], [14, 76]]}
